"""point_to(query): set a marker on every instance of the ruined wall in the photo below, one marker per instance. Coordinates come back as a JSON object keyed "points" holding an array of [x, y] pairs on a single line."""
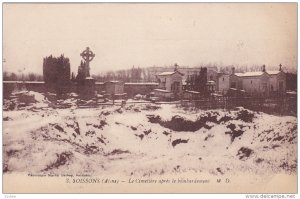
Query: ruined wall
{"points": [[10, 86]]}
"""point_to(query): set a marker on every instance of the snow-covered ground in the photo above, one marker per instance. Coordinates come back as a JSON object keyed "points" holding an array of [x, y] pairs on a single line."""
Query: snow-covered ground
{"points": [[148, 140]]}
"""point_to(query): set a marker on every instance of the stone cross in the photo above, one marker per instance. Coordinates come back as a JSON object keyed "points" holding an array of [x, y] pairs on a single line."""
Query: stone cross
{"points": [[87, 56], [280, 69]]}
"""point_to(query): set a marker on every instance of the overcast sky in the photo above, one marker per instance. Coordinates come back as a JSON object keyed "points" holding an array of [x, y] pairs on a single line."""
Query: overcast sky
{"points": [[123, 35]]}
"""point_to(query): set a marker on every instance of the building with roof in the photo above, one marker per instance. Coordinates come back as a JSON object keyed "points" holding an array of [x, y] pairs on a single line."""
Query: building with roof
{"points": [[222, 83], [277, 82], [260, 83], [188, 72], [169, 84]]}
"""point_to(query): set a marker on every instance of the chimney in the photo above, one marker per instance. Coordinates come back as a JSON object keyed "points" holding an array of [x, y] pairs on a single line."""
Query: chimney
{"points": [[280, 67], [264, 68], [233, 70]]}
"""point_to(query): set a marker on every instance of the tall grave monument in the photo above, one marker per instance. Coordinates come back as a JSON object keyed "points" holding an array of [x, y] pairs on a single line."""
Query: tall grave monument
{"points": [[86, 84]]}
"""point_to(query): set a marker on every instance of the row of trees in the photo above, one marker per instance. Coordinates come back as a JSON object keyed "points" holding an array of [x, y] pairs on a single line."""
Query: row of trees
{"points": [[21, 77], [130, 75], [242, 69], [146, 74]]}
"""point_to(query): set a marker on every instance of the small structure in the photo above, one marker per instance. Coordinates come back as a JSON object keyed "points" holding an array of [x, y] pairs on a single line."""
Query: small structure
{"points": [[233, 92], [87, 56], [188, 72], [191, 95], [169, 84], [86, 84], [163, 94], [254, 83], [235, 80], [222, 84], [88, 87], [211, 86], [277, 82], [261, 83], [115, 89]]}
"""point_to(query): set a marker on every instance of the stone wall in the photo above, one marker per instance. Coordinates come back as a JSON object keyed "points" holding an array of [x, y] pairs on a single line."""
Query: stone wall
{"points": [[130, 88], [139, 88]]}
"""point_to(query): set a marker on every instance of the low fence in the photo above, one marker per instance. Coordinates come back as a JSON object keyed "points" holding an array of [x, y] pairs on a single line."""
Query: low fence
{"points": [[281, 105]]}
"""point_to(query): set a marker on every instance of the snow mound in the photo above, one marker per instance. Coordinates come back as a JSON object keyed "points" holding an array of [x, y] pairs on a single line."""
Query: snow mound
{"points": [[147, 140]]}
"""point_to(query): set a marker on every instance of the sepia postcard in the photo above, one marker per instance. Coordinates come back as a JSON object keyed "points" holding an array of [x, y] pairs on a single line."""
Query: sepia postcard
{"points": [[149, 98]]}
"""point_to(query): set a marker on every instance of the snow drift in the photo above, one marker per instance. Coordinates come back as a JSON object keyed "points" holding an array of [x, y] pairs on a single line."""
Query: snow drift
{"points": [[144, 140]]}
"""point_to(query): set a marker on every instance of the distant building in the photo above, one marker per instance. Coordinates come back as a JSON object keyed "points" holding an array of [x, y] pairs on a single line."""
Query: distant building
{"points": [[235, 80], [188, 72], [223, 83], [169, 84], [277, 82], [261, 83]]}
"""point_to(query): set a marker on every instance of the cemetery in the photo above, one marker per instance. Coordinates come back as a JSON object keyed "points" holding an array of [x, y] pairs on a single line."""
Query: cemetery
{"points": [[149, 98], [205, 88], [67, 125]]}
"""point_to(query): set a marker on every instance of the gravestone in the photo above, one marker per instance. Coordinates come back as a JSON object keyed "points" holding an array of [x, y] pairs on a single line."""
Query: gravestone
{"points": [[86, 86]]}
